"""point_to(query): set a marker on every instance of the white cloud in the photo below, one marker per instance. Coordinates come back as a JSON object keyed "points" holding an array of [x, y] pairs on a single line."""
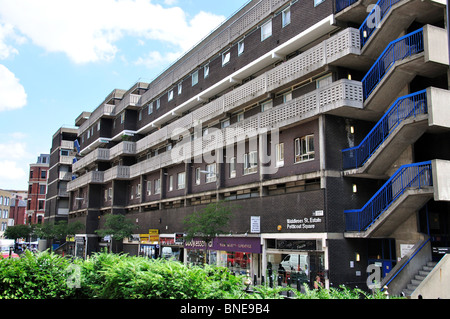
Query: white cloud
{"points": [[87, 31], [12, 93], [10, 173], [155, 59]]}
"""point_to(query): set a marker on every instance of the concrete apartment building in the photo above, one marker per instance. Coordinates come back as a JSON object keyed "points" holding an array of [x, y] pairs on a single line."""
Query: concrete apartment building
{"points": [[59, 174], [37, 189], [326, 123]]}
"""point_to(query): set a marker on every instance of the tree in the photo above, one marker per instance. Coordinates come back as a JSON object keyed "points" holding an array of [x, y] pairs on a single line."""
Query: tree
{"points": [[207, 223], [60, 230], [118, 227], [18, 231]]}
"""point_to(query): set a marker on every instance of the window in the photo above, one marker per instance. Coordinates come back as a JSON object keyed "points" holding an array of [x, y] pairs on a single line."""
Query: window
{"points": [[225, 123], [180, 88], [149, 187], [158, 186], [211, 175], [181, 180], [287, 97], [250, 162], [138, 190], [140, 115], [266, 106], [170, 183], [266, 30], [158, 104], [317, 2], [233, 167], [226, 57], [240, 47], [279, 153], [43, 174], [197, 176], [323, 81], [122, 117], [286, 16], [206, 71], [304, 148], [64, 153], [194, 78], [150, 108], [98, 126], [240, 117], [41, 189], [170, 95]]}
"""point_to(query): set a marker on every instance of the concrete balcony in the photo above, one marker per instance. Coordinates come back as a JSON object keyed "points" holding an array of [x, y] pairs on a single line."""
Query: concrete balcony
{"points": [[94, 177], [337, 98], [340, 50], [117, 173], [105, 109], [99, 154], [123, 148], [402, 195], [402, 125]]}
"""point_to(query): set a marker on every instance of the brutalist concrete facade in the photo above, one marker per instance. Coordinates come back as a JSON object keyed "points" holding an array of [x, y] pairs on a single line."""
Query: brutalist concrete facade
{"points": [[270, 113]]}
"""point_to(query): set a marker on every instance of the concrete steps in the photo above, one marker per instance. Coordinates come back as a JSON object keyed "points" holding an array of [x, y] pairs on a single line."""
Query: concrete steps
{"points": [[418, 278]]}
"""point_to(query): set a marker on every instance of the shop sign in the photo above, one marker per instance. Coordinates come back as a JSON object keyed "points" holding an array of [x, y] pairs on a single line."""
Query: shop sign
{"points": [[179, 238], [236, 244], [303, 223], [153, 235], [144, 238], [255, 224]]}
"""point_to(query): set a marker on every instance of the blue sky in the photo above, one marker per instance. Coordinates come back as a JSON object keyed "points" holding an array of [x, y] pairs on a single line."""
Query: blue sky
{"points": [[61, 57]]}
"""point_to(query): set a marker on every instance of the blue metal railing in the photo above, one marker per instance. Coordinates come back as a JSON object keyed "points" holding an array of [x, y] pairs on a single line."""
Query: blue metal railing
{"points": [[342, 4], [397, 50], [375, 16], [404, 107], [410, 175]]}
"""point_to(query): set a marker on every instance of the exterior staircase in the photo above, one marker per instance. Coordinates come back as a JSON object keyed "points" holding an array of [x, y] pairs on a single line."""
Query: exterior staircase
{"points": [[418, 278]]}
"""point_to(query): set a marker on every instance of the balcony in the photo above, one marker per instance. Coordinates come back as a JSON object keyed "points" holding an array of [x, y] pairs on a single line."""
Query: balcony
{"points": [[340, 97], [99, 154], [422, 52], [94, 177], [406, 120], [117, 173], [338, 50], [400, 197]]}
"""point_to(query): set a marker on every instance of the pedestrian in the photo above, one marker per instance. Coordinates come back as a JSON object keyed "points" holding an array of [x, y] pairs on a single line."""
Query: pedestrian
{"points": [[318, 283]]}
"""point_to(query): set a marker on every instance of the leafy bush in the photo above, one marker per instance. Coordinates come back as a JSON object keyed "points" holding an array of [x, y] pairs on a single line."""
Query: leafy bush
{"points": [[34, 276], [124, 277], [113, 276]]}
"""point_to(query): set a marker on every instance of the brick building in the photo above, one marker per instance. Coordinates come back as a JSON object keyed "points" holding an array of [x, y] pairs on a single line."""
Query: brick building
{"points": [[37, 189], [324, 122]]}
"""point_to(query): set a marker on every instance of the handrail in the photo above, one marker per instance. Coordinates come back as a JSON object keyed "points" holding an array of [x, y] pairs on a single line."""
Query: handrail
{"points": [[342, 4], [397, 50], [406, 263], [380, 10], [409, 175], [404, 107]]}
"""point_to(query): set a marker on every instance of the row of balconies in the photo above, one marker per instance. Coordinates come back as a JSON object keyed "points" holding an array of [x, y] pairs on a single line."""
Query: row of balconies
{"points": [[340, 94], [340, 46]]}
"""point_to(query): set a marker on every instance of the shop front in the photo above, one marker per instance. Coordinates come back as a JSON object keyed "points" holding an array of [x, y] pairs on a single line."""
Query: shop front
{"points": [[294, 261], [239, 254]]}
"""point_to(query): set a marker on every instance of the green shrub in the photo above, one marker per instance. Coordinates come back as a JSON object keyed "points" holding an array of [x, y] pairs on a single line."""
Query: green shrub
{"points": [[34, 276]]}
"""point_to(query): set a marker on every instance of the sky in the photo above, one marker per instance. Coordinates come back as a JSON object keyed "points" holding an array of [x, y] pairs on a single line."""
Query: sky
{"points": [[59, 58]]}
